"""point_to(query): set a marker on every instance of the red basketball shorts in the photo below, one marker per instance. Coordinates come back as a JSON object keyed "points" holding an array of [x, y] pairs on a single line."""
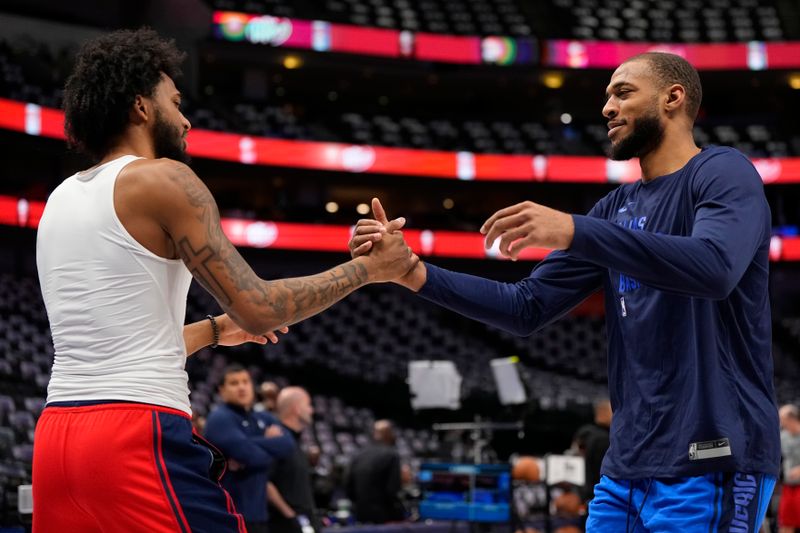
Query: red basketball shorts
{"points": [[126, 467], [789, 508]]}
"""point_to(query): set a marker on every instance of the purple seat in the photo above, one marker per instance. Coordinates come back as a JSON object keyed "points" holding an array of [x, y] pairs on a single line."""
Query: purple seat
{"points": [[42, 380], [23, 452], [34, 405], [28, 370], [22, 420], [6, 408], [6, 441]]}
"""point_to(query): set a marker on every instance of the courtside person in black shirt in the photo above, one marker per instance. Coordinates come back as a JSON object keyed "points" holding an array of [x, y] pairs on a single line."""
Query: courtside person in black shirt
{"points": [[289, 492]]}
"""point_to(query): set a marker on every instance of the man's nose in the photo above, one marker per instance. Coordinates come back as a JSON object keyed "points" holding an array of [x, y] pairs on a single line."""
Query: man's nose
{"points": [[610, 110]]}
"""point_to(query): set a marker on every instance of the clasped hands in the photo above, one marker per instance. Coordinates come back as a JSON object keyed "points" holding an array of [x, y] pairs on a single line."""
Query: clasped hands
{"points": [[520, 226], [380, 243]]}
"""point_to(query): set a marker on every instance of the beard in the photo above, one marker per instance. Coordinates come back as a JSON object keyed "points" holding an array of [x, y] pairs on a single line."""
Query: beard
{"points": [[647, 134], [168, 141]]}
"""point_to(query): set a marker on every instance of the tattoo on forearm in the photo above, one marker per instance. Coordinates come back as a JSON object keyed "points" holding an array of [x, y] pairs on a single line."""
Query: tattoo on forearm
{"points": [[289, 300], [196, 261], [297, 298]]}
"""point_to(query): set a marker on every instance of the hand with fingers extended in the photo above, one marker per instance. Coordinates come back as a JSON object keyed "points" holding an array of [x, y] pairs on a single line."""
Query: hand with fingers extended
{"points": [[230, 334], [369, 232], [386, 252], [528, 225]]}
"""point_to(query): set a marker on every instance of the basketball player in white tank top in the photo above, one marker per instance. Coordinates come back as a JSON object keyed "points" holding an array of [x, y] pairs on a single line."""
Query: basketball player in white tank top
{"points": [[115, 251]]}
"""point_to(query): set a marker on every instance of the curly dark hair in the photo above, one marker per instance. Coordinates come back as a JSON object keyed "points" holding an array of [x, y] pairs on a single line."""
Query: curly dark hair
{"points": [[110, 71]]}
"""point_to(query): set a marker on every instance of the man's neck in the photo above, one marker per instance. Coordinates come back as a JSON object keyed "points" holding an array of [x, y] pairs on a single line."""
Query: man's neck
{"points": [[293, 424], [130, 144], [670, 156], [239, 407]]}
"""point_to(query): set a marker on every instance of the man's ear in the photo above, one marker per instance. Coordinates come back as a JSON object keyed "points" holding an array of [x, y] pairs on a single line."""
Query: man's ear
{"points": [[141, 110], [675, 98]]}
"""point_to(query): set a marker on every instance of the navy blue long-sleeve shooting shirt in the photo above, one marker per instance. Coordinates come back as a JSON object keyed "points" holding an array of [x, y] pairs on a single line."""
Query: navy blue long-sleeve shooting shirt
{"points": [[684, 263], [239, 434]]}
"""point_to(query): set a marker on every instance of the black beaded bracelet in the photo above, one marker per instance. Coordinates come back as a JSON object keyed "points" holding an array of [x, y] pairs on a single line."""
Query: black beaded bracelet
{"points": [[215, 330]]}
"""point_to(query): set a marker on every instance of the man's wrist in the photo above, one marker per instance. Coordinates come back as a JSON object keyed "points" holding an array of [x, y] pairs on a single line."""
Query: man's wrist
{"points": [[570, 231], [364, 261], [415, 279], [214, 331]]}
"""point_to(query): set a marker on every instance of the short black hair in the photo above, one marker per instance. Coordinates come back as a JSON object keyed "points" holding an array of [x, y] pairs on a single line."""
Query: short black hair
{"points": [[110, 71], [672, 68], [233, 368]]}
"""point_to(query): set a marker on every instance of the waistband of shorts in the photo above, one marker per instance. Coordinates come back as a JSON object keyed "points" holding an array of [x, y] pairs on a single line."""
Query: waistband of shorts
{"points": [[109, 405]]}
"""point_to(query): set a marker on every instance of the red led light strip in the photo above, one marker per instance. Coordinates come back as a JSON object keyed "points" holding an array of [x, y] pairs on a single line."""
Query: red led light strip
{"points": [[328, 238], [323, 36], [338, 157], [754, 55]]}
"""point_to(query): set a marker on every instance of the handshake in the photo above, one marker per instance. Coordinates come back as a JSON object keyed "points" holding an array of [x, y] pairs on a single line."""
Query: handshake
{"points": [[380, 244], [379, 241]]}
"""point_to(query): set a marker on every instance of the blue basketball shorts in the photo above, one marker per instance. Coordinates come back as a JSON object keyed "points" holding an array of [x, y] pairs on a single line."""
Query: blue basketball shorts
{"points": [[733, 502]]}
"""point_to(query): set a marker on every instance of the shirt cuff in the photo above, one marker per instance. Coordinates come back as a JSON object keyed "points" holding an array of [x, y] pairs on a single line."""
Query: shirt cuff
{"points": [[582, 239], [432, 281]]}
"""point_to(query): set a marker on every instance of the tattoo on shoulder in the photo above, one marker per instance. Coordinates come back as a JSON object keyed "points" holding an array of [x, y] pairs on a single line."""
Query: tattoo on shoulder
{"points": [[196, 193]]}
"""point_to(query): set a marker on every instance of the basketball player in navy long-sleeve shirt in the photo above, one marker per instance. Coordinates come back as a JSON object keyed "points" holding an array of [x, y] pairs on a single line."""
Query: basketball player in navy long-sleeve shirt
{"points": [[682, 256]]}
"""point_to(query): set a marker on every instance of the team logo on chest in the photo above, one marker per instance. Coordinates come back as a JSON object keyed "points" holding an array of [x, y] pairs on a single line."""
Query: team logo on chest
{"points": [[626, 283]]}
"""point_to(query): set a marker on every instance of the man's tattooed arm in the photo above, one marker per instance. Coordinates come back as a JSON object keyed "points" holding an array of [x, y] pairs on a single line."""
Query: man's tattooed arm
{"points": [[257, 305]]}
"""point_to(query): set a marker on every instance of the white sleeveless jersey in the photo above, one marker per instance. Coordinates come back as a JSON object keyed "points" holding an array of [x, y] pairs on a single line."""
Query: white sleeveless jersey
{"points": [[116, 309]]}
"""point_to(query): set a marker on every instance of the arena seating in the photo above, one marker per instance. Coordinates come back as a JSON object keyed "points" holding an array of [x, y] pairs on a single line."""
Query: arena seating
{"points": [[339, 430], [334, 340], [460, 17], [331, 341], [623, 20], [563, 367], [354, 357], [669, 20], [30, 73]]}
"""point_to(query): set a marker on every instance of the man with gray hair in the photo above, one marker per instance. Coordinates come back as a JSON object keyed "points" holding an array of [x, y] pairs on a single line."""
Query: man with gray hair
{"points": [[289, 491], [789, 510]]}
